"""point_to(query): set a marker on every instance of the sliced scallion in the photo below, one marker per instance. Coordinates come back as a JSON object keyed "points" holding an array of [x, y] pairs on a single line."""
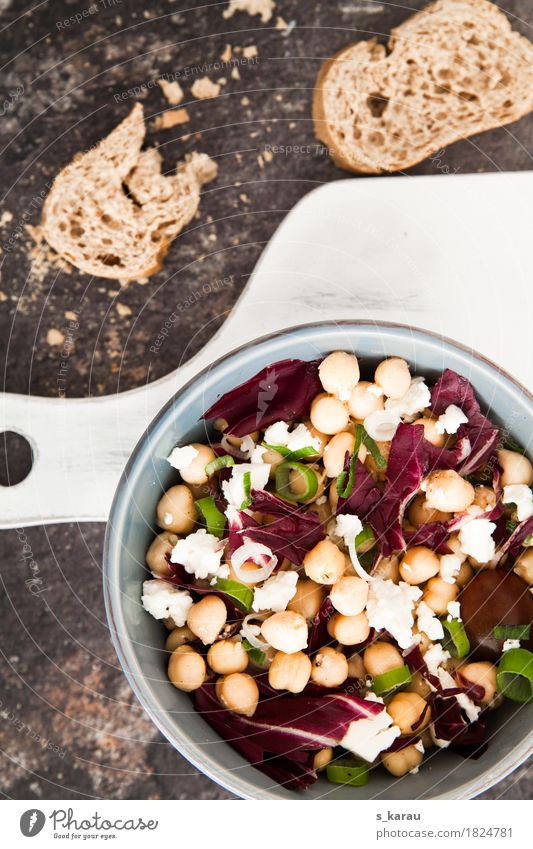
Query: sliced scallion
{"points": [[247, 487], [283, 481], [365, 539], [215, 521], [219, 463], [256, 655], [299, 454], [514, 677], [391, 680], [511, 632], [348, 771], [455, 640], [377, 456], [241, 595], [346, 480]]}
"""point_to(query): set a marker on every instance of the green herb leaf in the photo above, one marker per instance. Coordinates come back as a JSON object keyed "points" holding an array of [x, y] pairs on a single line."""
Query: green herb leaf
{"points": [[242, 596]]}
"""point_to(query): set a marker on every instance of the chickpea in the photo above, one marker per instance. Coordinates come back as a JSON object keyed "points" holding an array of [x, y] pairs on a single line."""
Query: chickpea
{"points": [[238, 692], [419, 513], [356, 667], [464, 574], [404, 761], [438, 594], [419, 564], [307, 599], [349, 595], [381, 657], [322, 510], [483, 674], [430, 431], [388, 568], [407, 709], [366, 398], [186, 669], [178, 637], [370, 463], [176, 511], [524, 565], [393, 376], [339, 373], [227, 656], [323, 438], [349, 630], [324, 564], [333, 496], [329, 668], [285, 631], [207, 618], [484, 497], [273, 458], [516, 468], [322, 759], [423, 639], [289, 671], [448, 491], [419, 685], [336, 450], [454, 543], [158, 553], [194, 473], [328, 414]]}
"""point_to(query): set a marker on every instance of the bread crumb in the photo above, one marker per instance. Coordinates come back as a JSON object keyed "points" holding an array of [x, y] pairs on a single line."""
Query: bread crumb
{"points": [[250, 52], [292, 125], [268, 155], [70, 315], [55, 337], [222, 81], [261, 161], [6, 217], [264, 8], [123, 310], [3, 296], [245, 101], [171, 118], [227, 53], [172, 91], [244, 198], [281, 23], [41, 256], [204, 89], [235, 75]]}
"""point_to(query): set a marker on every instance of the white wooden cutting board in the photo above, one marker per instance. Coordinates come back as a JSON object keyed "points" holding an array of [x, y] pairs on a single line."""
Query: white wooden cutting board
{"points": [[451, 254]]}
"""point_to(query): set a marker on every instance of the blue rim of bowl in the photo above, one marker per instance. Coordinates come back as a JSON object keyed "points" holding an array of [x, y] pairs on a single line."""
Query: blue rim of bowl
{"points": [[112, 598]]}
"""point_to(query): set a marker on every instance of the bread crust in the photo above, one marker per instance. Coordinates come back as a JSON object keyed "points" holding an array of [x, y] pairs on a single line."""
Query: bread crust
{"points": [[345, 157]]}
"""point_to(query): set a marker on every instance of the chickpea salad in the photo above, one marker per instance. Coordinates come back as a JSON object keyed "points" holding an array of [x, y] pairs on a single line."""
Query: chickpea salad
{"points": [[345, 569]]}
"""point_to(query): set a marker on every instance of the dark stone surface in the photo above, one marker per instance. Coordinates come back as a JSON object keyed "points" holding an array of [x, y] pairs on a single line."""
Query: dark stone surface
{"points": [[70, 726]]}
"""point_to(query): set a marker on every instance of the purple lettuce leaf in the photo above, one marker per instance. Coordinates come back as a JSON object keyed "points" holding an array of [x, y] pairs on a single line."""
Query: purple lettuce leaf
{"points": [[364, 495], [450, 724], [283, 735], [432, 534], [318, 633], [453, 388], [282, 391]]}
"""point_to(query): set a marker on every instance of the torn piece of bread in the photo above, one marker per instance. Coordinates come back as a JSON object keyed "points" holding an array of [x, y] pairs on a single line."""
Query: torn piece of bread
{"points": [[263, 8], [454, 69], [111, 212]]}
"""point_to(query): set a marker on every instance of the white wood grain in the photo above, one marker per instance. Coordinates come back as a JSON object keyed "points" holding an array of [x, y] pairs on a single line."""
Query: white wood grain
{"points": [[447, 253]]}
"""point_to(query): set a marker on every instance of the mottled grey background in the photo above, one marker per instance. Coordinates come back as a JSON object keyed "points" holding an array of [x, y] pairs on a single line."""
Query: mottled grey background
{"points": [[69, 727]]}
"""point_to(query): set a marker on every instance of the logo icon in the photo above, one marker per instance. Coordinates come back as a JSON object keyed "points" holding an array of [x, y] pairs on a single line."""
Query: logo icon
{"points": [[32, 822]]}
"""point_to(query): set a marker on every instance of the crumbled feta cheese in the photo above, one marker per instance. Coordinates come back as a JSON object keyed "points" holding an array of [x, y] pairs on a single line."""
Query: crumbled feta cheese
{"points": [[522, 496], [276, 592], [182, 457], [475, 539], [454, 610], [163, 600], [419, 746], [348, 527], [366, 738], [247, 446], [381, 425], [322, 500], [428, 623], [200, 554], [471, 710], [167, 518], [233, 489], [451, 419], [374, 389], [450, 566], [511, 644], [434, 657], [300, 437], [442, 744], [389, 607], [416, 399]]}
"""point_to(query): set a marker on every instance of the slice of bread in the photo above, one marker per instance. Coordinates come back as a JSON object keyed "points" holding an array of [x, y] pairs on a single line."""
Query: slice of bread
{"points": [[112, 213], [453, 69]]}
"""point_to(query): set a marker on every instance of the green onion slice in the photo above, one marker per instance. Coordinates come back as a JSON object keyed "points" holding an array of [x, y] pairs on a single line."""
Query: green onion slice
{"points": [[283, 478], [348, 771], [241, 595], [247, 486], [215, 521], [219, 463], [511, 526], [256, 655], [515, 675], [511, 632], [511, 445], [377, 456], [391, 680], [365, 540], [528, 541], [345, 481], [455, 640], [299, 454]]}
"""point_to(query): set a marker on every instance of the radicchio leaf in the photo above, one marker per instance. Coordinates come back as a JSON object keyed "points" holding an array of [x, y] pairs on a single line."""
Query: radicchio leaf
{"points": [[364, 495], [450, 724], [318, 634], [432, 534], [282, 391], [283, 735]]}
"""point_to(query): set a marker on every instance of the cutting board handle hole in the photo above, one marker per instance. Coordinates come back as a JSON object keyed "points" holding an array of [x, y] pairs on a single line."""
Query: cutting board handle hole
{"points": [[16, 458]]}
